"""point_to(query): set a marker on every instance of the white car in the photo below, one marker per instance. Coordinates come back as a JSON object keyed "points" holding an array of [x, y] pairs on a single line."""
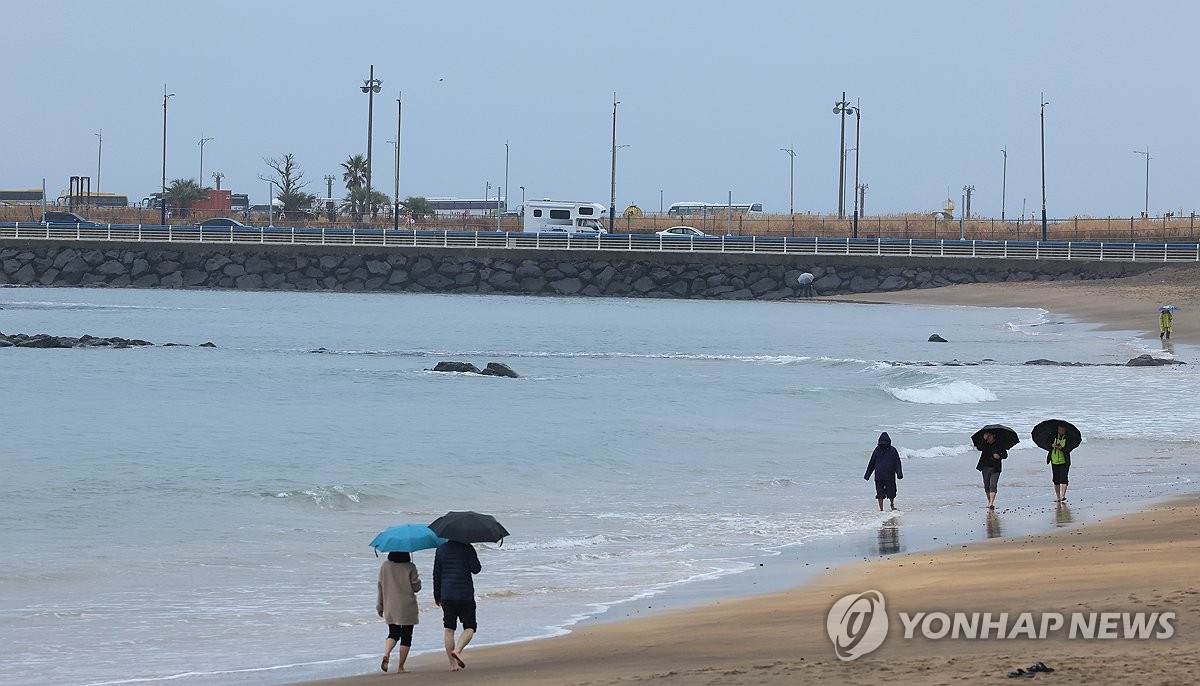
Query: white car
{"points": [[685, 231]]}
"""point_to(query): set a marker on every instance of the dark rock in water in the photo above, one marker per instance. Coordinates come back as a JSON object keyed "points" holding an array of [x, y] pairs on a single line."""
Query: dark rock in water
{"points": [[937, 339], [1148, 361], [208, 344], [1042, 361], [456, 367], [176, 345], [319, 350], [499, 369]]}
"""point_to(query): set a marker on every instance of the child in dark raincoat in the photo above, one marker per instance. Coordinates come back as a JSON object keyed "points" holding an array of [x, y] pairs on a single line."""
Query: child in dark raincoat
{"points": [[885, 463]]}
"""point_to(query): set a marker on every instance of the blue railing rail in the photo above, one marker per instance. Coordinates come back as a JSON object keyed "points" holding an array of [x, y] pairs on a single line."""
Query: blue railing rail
{"points": [[1122, 251]]}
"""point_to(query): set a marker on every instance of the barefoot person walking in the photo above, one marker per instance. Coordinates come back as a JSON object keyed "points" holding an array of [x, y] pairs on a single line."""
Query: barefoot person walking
{"points": [[885, 463], [454, 563], [396, 602]]}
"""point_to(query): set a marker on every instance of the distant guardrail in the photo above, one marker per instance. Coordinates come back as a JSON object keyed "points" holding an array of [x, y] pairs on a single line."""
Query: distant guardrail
{"points": [[771, 245]]}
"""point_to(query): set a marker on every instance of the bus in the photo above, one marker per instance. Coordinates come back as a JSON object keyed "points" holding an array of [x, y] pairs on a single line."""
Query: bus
{"points": [[712, 209]]}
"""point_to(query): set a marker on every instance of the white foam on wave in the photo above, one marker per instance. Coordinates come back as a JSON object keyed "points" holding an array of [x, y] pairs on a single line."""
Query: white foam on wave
{"points": [[942, 393], [936, 451]]}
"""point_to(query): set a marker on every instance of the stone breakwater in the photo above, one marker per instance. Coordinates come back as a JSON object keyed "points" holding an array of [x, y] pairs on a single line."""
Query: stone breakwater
{"points": [[579, 273]]}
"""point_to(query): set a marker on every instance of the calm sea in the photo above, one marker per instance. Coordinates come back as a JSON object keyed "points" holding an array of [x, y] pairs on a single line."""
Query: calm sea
{"points": [[202, 514]]}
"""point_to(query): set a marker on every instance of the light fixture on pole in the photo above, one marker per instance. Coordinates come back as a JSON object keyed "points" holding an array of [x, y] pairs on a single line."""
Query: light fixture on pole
{"points": [[1003, 182], [1043, 117], [612, 198], [791, 179], [99, 152], [842, 107], [203, 140], [371, 86], [1146, 152], [162, 198]]}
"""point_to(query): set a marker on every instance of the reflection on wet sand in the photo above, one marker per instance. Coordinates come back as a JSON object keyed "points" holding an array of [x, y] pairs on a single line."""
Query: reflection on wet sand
{"points": [[889, 537], [994, 529], [1167, 346], [1062, 515]]}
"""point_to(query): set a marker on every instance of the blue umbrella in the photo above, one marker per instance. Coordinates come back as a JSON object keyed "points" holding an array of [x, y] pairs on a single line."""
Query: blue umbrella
{"points": [[1168, 308], [406, 538]]}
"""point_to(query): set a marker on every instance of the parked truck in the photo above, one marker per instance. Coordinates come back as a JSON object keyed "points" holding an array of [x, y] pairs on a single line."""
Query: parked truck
{"points": [[542, 216]]}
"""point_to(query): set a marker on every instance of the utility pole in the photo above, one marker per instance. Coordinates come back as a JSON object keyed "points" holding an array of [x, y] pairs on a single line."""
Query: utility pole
{"points": [[1003, 182], [612, 198], [842, 107], [162, 198], [862, 199], [857, 154], [1044, 103], [217, 176], [99, 152], [506, 175], [791, 180], [969, 190], [396, 190], [1146, 152]]}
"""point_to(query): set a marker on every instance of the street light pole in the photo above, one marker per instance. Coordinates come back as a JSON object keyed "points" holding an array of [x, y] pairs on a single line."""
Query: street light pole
{"points": [[505, 175], [396, 189], [612, 198], [162, 198], [1003, 182], [99, 152], [1044, 103], [371, 86], [203, 140], [1146, 152], [791, 180], [522, 201], [857, 153], [841, 107]]}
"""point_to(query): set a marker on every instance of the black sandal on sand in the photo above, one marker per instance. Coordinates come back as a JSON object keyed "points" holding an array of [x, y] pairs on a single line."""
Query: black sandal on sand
{"points": [[1040, 667], [383, 664], [1017, 673], [459, 660]]}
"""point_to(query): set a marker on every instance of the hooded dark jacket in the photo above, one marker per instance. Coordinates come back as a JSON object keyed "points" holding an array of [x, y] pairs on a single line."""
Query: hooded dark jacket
{"points": [[885, 461]]}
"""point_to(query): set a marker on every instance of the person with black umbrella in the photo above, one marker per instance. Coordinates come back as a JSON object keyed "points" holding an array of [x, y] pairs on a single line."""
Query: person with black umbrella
{"points": [[1058, 438], [993, 442], [454, 564]]}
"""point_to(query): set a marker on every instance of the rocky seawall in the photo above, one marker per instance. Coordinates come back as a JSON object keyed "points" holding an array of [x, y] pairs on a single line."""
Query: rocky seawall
{"points": [[578, 273]]}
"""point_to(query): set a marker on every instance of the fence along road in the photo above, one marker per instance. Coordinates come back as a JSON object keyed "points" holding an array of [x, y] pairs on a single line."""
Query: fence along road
{"points": [[773, 245]]}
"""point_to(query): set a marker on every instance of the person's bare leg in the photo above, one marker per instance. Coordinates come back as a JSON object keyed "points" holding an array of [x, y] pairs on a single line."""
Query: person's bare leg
{"points": [[991, 500], [448, 642], [463, 639], [401, 656], [387, 653], [1064, 493], [891, 501], [880, 504]]}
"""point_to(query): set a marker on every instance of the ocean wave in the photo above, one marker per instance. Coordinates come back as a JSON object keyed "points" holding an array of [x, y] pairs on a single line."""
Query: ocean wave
{"points": [[331, 497], [936, 451], [584, 354], [561, 543], [942, 393]]}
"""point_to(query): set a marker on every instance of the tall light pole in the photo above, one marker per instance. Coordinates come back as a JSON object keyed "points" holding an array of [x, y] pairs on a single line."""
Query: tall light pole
{"points": [[505, 176], [1146, 152], [396, 189], [791, 180], [522, 201], [841, 107], [857, 153], [371, 86], [162, 198], [1003, 182], [612, 198], [1044, 103], [203, 140], [99, 152]]}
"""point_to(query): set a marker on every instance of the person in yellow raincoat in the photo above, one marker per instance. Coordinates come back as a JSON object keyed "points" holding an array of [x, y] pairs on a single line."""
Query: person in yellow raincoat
{"points": [[1164, 323]]}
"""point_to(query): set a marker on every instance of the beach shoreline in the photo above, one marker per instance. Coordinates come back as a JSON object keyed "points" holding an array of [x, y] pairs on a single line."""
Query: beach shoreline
{"points": [[1143, 561]]}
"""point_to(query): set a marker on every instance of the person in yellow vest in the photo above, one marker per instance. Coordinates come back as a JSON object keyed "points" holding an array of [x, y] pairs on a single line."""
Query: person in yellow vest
{"points": [[1164, 323], [1059, 459]]}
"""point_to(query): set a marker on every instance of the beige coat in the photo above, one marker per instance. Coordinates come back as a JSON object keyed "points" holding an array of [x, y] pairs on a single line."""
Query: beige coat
{"points": [[396, 600]]}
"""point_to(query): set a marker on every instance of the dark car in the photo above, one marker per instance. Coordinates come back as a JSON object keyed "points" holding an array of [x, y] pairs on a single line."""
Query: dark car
{"points": [[220, 222], [67, 218]]}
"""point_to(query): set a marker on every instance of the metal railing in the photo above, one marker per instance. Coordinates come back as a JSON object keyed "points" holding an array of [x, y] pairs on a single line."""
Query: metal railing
{"points": [[772, 245]]}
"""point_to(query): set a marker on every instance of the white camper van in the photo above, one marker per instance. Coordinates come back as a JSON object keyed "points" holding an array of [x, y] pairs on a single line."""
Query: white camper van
{"points": [[543, 216]]}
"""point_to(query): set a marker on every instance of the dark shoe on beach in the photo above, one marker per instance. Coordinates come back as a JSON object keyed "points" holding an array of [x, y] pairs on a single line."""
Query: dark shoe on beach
{"points": [[1017, 673], [1040, 667], [383, 664]]}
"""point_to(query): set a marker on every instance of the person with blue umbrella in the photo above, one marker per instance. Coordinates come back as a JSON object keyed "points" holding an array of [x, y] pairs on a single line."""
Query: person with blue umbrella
{"points": [[399, 583], [1165, 317]]}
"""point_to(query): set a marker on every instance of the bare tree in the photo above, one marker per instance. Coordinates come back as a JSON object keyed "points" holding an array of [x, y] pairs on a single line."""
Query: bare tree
{"points": [[288, 182]]}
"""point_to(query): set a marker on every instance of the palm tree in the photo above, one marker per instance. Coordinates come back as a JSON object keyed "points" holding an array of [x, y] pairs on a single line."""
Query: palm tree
{"points": [[354, 172], [355, 202], [183, 193]]}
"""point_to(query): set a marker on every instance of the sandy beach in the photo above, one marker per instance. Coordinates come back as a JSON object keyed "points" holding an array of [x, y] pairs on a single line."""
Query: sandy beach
{"points": [[1148, 562]]}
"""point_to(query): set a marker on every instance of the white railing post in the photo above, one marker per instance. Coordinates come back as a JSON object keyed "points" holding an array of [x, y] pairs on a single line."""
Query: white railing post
{"points": [[109, 231], [294, 234], [262, 234], [445, 238], [878, 246], [1069, 244]]}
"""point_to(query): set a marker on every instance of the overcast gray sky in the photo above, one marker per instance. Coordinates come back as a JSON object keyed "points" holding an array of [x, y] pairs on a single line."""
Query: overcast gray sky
{"points": [[709, 91]]}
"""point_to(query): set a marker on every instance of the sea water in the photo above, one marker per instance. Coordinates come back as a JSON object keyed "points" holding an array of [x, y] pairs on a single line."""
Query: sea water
{"points": [[203, 514]]}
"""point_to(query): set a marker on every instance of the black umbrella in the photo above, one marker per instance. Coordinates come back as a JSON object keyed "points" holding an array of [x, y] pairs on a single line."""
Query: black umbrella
{"points": [[1045, 432], [1006, 438], [468, 527]]}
